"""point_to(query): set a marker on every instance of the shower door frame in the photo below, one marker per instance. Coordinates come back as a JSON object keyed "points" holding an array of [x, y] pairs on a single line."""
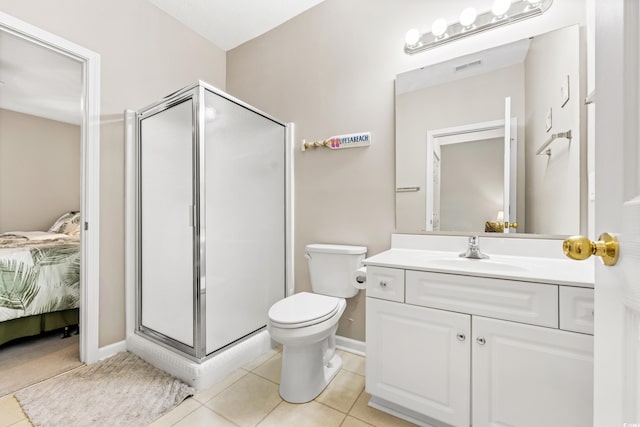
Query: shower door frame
{"points": [[195, 93], [169, 102]]}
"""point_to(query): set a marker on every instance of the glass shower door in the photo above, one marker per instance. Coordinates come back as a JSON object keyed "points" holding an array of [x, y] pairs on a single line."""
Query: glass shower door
{"points": [[166, 224]]}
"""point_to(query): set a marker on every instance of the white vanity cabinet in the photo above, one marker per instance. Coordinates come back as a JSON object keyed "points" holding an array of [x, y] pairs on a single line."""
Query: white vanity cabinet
{"points": [[528, 376], [420, 359], [462, 350]]}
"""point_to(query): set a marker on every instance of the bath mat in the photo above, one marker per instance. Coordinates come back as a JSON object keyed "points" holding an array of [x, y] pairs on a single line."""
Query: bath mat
{"points": [[123, 390]]}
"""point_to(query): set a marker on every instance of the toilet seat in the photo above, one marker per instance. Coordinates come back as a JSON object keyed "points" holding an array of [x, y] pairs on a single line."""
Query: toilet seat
{"points": [[303, 309]]}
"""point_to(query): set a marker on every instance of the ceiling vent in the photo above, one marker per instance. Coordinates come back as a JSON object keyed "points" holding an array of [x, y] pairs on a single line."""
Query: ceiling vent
{"points": [[476, 63]]}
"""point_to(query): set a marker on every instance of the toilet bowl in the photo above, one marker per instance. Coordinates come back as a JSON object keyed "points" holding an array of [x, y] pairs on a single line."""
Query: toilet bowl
{"points": [[308, 343], [306, 323]]}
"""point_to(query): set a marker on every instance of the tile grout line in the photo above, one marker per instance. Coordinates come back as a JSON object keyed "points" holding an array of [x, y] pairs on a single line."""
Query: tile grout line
{"points": [[356, 400], [247, 373], [271, 411], [354, 404], [263, 363], [203, 404], [185, 416], [222, 416], [224, 389]]}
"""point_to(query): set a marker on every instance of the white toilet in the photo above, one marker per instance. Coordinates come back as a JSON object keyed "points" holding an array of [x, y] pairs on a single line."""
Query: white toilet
{"points": [[306, 323]]}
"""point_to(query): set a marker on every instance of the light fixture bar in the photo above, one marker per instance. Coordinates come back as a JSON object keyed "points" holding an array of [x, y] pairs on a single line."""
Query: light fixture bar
{"points": [[518, 11]]}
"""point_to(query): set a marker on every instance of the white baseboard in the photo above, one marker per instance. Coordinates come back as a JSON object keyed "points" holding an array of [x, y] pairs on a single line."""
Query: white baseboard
{"points": [[351, 345], [111, 349]]}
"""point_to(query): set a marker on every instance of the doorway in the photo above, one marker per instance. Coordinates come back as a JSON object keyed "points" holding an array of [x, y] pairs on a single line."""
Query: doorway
{"points": [[89, 123]]}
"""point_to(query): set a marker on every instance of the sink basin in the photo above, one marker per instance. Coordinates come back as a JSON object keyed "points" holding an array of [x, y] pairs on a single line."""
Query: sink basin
{"points": [[467, 264]]}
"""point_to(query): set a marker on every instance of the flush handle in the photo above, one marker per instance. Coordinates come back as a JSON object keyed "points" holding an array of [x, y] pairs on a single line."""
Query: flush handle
{"points": [[481, 340], [461, 336], [581, 248]]}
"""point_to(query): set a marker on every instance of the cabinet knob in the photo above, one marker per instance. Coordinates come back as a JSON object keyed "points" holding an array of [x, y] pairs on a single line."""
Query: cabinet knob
{"points": [[383, 283], [481, 340], [461, 336]]}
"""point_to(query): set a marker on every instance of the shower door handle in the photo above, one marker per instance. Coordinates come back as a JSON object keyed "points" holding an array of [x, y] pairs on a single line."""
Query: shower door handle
{"points": [[192, 216]]}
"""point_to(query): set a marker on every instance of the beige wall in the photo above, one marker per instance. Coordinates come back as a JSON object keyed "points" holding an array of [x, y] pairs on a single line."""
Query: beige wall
{"points": [[461, 102], [554, 199], [471, 183], [145, 55], [331, 70], [39, 171]]}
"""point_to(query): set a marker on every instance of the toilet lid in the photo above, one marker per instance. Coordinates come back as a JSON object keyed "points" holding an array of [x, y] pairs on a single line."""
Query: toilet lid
{"points": [[303, 309]]}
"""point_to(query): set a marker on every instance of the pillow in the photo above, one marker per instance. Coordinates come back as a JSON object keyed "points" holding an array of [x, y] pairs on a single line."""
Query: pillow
{"points": [[68, 223]]}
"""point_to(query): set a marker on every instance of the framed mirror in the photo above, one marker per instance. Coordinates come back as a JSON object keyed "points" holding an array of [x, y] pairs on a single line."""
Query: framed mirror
{"points": [[468, 134]]}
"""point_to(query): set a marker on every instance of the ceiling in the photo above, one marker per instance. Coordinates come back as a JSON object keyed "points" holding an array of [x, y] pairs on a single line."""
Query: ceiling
{"points": [[229, 23], [38, 81]]}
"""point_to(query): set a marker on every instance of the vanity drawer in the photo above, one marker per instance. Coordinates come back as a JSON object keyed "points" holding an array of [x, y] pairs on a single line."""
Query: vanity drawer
{"points": [[385, 283], [576, 309], [533, 303]]}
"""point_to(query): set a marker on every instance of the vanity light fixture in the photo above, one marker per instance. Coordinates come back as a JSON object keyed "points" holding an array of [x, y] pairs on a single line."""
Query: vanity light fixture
{"points": [[468, 17], [502, 12], [439, 28], [500, 9]]}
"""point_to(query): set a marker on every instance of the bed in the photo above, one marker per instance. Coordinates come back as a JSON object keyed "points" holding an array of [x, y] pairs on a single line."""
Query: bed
{"points": [[40, 279]]}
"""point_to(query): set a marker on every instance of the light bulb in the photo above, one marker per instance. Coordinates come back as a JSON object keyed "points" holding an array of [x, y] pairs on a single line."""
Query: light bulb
{"points": [[500, 7], [468, 17], [439, 27], [534, 1], [412, 37]]}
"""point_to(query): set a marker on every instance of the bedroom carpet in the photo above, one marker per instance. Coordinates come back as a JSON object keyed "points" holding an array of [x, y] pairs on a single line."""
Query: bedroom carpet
{"points": [[31, 360], [123, 390]]}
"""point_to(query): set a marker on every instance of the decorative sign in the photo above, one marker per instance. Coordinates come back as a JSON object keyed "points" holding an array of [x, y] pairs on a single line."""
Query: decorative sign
{"points": [[341, 141], [350, 141]]}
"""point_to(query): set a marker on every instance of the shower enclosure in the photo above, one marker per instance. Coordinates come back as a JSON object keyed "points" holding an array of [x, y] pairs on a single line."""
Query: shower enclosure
{"points": [[212, 220]]}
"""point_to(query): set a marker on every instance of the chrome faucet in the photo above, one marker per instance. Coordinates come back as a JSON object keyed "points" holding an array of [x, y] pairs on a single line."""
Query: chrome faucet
{"points": [[473, 250]]}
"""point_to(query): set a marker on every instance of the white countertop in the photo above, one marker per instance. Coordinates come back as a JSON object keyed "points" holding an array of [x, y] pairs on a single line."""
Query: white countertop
{"points": [[523, 268]]}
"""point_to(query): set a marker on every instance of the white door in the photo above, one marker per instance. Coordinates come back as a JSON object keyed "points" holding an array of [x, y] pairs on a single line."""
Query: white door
{"points": [[506, 194], [436, 188], [530, 376], [419, 358], [617, 290], [513, 177]]}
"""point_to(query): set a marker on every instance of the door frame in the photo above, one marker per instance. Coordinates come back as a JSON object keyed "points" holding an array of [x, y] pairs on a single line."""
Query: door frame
{"points": [[90, 175], [466, 133]]}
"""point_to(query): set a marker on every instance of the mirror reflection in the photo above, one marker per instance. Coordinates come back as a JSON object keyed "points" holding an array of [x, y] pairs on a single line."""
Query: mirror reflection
{"points": [[467, 135]]}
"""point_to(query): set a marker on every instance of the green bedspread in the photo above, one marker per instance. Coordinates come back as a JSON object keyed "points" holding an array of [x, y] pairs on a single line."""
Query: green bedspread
{"points": [[38, 276]]}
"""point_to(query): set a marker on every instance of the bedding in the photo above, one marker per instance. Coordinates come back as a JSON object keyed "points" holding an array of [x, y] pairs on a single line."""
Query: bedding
{"points": [[39, 273], [68, 223]]}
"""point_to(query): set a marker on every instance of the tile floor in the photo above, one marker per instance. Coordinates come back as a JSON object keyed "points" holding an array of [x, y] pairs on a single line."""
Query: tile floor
{"points": [[249, 397]]}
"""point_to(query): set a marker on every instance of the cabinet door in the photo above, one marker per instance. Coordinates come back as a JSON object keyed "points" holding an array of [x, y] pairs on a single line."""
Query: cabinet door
{"points": [[529, 376], [419, 358]]}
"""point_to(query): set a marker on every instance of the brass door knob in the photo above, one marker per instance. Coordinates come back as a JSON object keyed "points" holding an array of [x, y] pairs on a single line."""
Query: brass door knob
{"points": [[581, 248], [510, 225]]}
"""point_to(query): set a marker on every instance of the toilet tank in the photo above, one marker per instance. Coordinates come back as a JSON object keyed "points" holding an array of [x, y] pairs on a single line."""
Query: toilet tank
{"points": [[331, 268]]}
